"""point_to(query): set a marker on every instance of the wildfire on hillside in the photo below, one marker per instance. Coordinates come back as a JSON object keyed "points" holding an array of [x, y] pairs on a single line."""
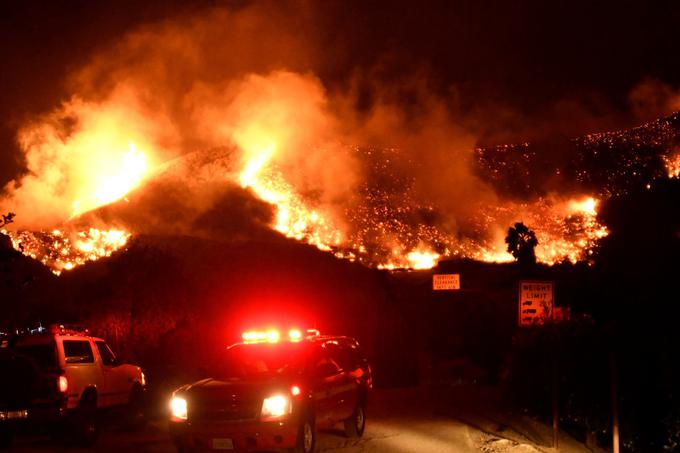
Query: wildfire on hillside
{"points": [[381, 230], [359, 203]]}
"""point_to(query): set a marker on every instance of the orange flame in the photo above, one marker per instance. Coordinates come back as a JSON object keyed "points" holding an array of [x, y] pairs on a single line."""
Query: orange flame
{"points": [[112, 176], [61, 251], [672, 165]]}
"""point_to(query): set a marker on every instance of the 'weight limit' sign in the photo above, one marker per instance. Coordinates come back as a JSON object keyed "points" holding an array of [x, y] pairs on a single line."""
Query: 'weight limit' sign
{"points": [[536, 300]]}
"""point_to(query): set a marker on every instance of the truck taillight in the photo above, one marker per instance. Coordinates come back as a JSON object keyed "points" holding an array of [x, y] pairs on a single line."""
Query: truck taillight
{"points": [[62, 383]]}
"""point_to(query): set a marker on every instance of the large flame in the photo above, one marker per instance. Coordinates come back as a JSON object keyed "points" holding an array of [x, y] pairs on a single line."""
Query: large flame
{"points": [[111, 176], [82, 156], [293, 217]]}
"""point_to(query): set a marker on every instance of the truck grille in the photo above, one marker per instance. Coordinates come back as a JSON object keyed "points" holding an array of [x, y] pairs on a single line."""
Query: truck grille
{"points": [[231, 410]]}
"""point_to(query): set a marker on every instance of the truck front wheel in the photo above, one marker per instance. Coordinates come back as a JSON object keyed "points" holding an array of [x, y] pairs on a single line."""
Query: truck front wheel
{"points": [[135, 418], [306, 438]]}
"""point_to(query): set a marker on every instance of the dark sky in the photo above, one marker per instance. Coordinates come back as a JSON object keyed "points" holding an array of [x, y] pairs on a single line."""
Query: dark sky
{"points": [[510, 60]]}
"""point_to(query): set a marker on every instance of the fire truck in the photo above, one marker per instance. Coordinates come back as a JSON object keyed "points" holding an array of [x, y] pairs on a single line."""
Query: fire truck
{"points": [[272, 392], [59, 380]]}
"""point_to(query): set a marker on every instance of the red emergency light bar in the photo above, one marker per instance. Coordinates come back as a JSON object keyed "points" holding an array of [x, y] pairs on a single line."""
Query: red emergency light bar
{"points": [[273, 335]]}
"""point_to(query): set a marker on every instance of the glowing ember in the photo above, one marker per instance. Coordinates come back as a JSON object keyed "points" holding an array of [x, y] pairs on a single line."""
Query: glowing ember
{"points": [[62, 251]]}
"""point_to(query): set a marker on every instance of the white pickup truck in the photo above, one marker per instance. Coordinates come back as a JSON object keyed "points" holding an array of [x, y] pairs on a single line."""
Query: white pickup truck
{"points": [[60, 379]]}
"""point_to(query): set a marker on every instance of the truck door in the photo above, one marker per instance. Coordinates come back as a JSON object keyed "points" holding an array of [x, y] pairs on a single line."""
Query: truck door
{"points": [[116, 388], [81, 369], [326, 374], [345, 385]]}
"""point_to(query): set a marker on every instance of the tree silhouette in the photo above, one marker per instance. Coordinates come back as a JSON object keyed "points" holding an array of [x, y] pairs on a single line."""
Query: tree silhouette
{"points": [[521, 243], [7, 218]]}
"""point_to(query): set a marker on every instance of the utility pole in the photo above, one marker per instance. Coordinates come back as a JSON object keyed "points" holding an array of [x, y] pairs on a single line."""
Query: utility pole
{"points": [[615, 402], [555, 404]]}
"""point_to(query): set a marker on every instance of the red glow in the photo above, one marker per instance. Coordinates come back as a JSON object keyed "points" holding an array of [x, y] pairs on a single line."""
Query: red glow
{"points": [[295, 390], [63, 384]]}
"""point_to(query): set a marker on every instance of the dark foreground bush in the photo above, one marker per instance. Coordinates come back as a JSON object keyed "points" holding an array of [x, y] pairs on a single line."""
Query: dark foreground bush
{"points": [[581, 359]]}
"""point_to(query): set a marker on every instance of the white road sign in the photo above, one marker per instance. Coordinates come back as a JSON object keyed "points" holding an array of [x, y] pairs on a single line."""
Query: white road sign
{"points": [[444, 282]]}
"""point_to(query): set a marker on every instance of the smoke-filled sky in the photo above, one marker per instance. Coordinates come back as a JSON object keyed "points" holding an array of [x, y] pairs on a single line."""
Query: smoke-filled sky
{"points": [[512, 70]]}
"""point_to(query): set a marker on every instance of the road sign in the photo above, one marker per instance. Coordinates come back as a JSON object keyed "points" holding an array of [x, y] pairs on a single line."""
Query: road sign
{"points": [[536, 300], [445, 282]]}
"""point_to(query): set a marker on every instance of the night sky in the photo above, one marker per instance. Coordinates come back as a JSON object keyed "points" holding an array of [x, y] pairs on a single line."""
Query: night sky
{"points": [[518, 69]]}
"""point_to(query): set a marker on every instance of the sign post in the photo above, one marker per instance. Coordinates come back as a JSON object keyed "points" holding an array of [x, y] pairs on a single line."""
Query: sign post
{"points": [[445, 282], [536, 305]]}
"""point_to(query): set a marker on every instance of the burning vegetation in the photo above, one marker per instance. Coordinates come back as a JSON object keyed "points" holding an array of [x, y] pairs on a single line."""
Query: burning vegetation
{"points": [[384, 223], [62, 251], [289, 141]]}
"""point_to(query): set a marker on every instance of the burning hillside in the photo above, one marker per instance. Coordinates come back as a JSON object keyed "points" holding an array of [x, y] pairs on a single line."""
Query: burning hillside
{"points": [[167, 133], [384, 223], [380, 217]]}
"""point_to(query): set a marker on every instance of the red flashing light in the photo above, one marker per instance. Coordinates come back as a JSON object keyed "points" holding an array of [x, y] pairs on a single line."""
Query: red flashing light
{"points": [[252, 336], [273, 335], [294, 335], [62, 384], [295, 390]]}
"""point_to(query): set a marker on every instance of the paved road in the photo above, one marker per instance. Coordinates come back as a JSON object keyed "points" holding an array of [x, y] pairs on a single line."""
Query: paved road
{"points": [[399, 421]]}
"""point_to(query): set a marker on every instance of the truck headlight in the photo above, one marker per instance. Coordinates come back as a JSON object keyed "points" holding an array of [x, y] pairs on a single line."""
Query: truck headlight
{"points": [[276, 406], [178, 408]]}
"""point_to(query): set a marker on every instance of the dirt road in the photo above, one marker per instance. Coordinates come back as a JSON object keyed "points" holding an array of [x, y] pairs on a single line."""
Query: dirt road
{"points": [[398, 421]]}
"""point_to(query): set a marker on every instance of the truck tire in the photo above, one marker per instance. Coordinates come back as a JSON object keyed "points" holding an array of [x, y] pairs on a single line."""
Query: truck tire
{"points": [[306, 438], [355, 425], [134, 416], [84, 424]]}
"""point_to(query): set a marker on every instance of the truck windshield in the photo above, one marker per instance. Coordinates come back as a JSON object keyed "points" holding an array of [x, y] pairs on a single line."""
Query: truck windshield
{"points": [[261, 360]]}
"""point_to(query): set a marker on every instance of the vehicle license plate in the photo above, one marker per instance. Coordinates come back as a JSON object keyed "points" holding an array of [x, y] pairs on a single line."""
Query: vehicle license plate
{"points": [[222, 444], [10, 415]]}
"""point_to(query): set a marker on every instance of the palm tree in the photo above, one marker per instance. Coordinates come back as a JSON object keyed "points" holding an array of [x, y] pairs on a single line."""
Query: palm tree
{"points": [[7, 218], [521, 243]]}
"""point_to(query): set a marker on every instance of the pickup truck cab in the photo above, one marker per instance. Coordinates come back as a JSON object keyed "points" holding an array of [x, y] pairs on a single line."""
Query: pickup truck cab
{"points": [[63, 379], [269, 393]]}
